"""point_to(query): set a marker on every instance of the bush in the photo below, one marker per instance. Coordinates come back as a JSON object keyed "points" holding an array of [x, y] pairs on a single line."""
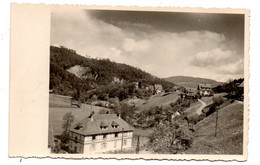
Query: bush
{"points": [[218, 100]]}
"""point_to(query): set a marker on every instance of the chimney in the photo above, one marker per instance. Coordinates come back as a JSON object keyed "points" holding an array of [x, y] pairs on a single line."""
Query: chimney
{"points": [[119, 117]]}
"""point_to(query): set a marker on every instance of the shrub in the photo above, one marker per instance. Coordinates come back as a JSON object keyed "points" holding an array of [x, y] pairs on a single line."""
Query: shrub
{"points": [[218, 100]]}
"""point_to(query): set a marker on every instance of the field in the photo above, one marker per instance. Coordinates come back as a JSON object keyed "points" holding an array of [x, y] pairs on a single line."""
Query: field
{"points": [[155, 100], [192, 110], [229, 139]]}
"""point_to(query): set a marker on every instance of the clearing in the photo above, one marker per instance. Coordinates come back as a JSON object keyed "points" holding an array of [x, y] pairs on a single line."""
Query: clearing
{"points": [[161, 99]]}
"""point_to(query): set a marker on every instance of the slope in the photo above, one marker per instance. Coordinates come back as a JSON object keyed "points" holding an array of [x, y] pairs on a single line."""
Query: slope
{"points": [[229, 139]]}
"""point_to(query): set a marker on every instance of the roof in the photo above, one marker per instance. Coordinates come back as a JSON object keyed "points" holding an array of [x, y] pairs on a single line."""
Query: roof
{"points": [[89, 127], [205, 85], [241, 85], [191, 89], [114, 123], [103, 124]]}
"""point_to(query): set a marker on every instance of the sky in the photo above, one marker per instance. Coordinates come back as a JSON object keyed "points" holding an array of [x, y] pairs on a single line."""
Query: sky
{"points": [[164, 44]]}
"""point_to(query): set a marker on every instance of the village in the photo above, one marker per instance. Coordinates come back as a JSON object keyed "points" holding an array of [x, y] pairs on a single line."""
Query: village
{"points": [[104, 127]]}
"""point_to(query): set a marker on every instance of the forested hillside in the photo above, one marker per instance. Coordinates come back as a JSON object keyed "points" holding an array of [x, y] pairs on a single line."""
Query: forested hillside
{"points": [[101, 83]]}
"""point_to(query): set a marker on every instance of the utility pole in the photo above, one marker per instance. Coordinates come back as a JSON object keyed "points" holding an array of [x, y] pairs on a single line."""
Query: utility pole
{"points": [[122, 140], [137, 146], [216, 126]]}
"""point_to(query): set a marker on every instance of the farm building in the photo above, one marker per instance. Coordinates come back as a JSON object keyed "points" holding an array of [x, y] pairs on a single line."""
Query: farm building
{"points": [[99, 133], [241, 86], [204, 89], [137, 84], [191, 93], [175, 88], [150, 88], [158, 88]]}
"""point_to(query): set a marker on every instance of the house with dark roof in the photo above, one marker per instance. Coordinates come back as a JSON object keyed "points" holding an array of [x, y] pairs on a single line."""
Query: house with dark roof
{"points": [[241, 85], [99, 133], [204, 89]]}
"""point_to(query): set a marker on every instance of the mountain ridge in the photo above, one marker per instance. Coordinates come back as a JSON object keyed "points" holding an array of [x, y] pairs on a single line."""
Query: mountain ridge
{"points": [[191, 82]]}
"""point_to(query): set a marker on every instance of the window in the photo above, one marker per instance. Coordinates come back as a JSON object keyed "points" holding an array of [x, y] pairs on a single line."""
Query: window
{"points": [[116, 135], [114, 124], [125, 142], [104, 136], [103, 127], [94, 137]]}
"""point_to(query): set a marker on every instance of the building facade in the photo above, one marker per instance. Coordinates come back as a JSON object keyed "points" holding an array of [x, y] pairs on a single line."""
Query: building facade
{"points": [[205, 89], [100, 133]]}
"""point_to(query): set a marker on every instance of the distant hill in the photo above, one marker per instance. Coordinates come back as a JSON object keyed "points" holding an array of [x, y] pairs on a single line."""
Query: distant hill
{"points": [[191, 82], [81, 77]]}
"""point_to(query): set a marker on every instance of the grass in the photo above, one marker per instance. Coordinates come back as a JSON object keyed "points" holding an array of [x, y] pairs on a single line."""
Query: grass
{"points": [[229, 139], [191, 112], [207, 100], [157, 100]]}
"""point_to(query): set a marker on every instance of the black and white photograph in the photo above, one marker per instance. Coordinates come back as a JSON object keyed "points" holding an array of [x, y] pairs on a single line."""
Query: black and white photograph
{"points": [[146, 82]]}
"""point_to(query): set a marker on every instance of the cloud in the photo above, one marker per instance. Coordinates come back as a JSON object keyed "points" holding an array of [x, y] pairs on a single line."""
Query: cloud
{"points": [[159, 52], [214, 57], [225, 62], [130, 45], [235, 68]]}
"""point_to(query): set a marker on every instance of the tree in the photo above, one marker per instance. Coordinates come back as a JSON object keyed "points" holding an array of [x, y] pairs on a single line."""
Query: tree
{"points": [[68, 118], [171, 138], [94, 98]]}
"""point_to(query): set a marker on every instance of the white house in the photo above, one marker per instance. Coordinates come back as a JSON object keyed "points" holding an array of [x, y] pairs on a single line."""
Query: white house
{"points": [[204, 89], [100, 133]]}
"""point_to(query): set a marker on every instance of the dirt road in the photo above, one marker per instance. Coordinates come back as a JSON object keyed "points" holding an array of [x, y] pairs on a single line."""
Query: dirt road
{"points": [[203, 105]]}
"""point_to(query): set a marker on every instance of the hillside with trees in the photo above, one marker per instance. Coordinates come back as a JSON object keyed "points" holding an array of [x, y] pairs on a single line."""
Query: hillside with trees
{"points": [[232, 88], [99, 84]]}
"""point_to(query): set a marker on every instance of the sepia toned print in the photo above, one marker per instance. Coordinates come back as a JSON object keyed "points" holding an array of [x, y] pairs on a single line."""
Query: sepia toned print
{"points": [[151, 83], [146, 81]]}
